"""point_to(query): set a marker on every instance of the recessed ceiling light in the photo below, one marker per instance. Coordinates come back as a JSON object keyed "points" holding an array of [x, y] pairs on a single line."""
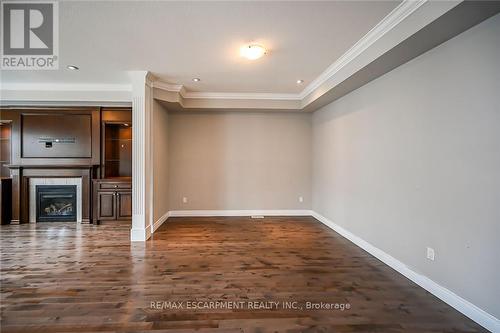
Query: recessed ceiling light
{"points": [[72, 67], [196, 79], [300, 81], [252, 51]]}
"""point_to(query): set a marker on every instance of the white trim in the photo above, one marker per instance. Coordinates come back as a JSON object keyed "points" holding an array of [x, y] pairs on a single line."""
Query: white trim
{"points": [[149, 157], [208, 213], [65, 87], [398, 14], [149, 80], [139, 234], [248, 212], [240, 96], [467, 308], [141, 157], [167, 86], [160, 221], [179, 88]]}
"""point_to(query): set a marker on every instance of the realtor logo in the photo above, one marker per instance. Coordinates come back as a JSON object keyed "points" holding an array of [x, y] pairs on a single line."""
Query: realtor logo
{"points": [[30, 39]]}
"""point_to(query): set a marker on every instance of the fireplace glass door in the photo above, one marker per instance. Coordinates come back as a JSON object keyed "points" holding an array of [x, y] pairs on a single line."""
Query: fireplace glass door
{"points": [[56, 203]]}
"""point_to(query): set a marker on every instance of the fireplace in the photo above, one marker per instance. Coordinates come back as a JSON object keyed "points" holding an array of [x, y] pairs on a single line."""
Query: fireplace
{"points": [[56, 203], [59, 182]]}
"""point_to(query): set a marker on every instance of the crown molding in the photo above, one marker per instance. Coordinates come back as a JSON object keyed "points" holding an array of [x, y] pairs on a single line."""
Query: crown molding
{"points": [[396, 16], [150, 79], [403, 26], [179, 88], [240, 96]]}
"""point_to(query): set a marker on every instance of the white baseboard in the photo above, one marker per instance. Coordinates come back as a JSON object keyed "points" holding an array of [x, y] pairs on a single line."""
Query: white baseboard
{"points": [[208, 213], [480, 316], [138, 235], [274, 212], [160, 221]]}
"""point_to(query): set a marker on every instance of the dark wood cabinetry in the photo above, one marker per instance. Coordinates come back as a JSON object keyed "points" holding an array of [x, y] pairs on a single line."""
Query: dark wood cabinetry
{"points": [[124, 205], [112, 199], [5, 200], [113, 193], [91, 143], [5, 147], [106, 206], [5, 181]]}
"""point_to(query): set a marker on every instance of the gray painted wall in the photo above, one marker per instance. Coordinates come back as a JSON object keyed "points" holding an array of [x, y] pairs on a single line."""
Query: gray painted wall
{"points": [[160, 161], [412, 160], [239, 160]]}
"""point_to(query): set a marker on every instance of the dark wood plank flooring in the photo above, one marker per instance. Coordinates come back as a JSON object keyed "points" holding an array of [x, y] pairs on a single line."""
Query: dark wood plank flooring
{"points": [[62, 277]]}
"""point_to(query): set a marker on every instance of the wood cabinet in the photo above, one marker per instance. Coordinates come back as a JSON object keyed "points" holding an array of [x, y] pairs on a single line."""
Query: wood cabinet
{"points": [[5, 147], [5, 200], [112, 199], [124, 205], [5, 181], [112, 194]]}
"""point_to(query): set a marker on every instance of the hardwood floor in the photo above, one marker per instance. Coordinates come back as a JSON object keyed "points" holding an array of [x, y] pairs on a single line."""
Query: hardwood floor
{"points": [[62, 277]]}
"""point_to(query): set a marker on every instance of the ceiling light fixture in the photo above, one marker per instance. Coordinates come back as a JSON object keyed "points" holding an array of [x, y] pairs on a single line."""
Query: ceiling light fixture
{"points": [[252, 51], [72, 67], [196, 79], [300, 81]]}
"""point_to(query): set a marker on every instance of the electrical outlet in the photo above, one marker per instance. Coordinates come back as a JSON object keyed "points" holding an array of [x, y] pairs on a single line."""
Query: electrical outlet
{"points": [[184, 200], [301, 199], [430, 253]]}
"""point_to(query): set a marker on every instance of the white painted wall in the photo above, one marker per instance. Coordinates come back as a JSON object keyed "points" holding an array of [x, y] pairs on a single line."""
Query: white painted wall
{"points": [[239, 160], [412, 160]]}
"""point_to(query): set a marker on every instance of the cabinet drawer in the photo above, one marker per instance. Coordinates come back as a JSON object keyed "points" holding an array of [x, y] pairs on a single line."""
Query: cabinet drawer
{"points": [[114, 186]]}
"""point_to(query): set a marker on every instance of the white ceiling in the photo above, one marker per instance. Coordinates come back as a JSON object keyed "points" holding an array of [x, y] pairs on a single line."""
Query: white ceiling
{"points": [[178, 41]]}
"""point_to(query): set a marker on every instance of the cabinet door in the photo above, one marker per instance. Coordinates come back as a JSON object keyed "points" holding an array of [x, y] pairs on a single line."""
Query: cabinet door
{"points": [[106, 206], [124, 206]]}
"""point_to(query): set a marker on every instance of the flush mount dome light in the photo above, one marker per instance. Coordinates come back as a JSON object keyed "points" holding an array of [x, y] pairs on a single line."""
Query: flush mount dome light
{"points": [[252, 51]]}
